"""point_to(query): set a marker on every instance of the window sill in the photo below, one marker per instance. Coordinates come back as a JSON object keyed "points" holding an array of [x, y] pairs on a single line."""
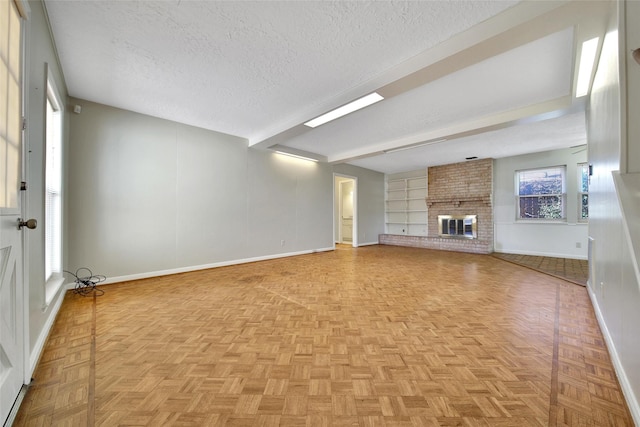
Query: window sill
{"points": [[52, 287], [549, 222], [541, 221]]}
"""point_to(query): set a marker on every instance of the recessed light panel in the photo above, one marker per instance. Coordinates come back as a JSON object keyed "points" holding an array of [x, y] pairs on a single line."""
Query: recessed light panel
{"points": [[587, 59], [358, 104]]}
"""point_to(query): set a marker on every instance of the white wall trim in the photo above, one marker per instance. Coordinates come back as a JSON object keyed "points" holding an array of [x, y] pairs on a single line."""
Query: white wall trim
{"points": [[150, 274], [367, 244], [545, 254], [627, 186], [38, 347], [627, 391], [52, 288]]}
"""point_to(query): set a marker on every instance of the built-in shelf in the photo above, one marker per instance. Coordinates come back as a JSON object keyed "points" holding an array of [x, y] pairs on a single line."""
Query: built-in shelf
{"points": [[406, 211]]}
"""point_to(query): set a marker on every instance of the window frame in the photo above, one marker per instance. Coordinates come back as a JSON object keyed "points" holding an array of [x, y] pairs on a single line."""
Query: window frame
{"points": [[562, 196], [583, 167], [53, 274], [11, 110]]}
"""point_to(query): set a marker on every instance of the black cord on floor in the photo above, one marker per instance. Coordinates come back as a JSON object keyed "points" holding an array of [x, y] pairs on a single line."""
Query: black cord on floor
{"points": [[86, 281]]}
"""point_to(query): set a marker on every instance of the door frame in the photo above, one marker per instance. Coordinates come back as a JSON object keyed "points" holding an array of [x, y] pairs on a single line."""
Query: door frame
{"points": [[22, 308], [337, 201], [24, 206], [342, 236]]}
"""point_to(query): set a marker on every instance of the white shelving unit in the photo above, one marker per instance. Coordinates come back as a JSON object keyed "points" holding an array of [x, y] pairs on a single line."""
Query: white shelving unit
{"points": [[406, 210]]}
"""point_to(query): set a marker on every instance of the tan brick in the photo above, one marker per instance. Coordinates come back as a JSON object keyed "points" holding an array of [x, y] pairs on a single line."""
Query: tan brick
{"points": [[455, 189]]}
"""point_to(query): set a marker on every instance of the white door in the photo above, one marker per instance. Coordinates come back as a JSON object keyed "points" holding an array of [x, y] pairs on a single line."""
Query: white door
{"points": [[12, 360], [11, 305]]}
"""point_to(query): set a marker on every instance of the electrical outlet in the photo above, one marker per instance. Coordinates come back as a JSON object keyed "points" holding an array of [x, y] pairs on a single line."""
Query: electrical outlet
{"points": [[281, 242], [602, 290], [578, 245]]}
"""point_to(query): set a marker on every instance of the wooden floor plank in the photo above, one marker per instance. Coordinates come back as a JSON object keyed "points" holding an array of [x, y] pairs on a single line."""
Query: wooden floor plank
{"points": [[377, 335]]}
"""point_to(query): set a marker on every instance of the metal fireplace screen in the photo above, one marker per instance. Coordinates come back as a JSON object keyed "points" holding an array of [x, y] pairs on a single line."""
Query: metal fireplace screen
{"points": [[463, 226]]}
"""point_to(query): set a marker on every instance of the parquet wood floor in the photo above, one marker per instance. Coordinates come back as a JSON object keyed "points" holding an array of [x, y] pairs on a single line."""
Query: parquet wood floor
{"points": [[573, 270], [374, 336]]}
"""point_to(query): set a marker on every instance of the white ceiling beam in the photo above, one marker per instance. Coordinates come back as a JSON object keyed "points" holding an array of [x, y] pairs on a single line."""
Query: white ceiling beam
{"points": [[532, 113], [521, 24]]}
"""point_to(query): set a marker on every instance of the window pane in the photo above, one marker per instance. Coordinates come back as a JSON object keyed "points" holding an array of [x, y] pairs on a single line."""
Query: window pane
{"points": [[547, 207], [53, 187], [542, 181], [5, 10], [584, 177], [584, 206], [10, 122], [541, 193]]}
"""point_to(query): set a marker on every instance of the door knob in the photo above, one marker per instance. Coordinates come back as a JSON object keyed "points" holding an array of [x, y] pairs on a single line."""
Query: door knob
{"points": [[30, 224]]}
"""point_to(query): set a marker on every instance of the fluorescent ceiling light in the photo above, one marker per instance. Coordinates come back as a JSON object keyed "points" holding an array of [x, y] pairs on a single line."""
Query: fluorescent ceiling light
{"points": [[409, 147], [365, 101], [587, 59], [297, 156]]}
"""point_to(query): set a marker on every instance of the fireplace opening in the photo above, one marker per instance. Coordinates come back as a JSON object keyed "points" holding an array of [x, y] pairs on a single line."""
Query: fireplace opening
{"points": [[460, 226]]}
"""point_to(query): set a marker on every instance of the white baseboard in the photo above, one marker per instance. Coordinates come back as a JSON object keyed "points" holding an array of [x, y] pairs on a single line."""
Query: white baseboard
{"points": [[38, 347], [150, 274], [368, 243], [13, 413], [627, 390], [546, 254]]}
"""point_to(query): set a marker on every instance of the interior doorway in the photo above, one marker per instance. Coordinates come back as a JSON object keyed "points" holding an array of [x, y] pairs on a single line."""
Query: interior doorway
{"points": [[345, 210]]}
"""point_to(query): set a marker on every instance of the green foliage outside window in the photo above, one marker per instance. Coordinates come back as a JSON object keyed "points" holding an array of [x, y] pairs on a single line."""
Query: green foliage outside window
{"points": [[541, 193], [583, 191]]}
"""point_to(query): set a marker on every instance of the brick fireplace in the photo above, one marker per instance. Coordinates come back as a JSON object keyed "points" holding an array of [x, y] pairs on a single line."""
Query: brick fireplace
{"points": [[456, 190]]}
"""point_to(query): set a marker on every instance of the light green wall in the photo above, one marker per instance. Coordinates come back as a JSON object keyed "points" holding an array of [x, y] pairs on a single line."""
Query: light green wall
{"points": [[565, 239], [150, 196], [41, 60]]}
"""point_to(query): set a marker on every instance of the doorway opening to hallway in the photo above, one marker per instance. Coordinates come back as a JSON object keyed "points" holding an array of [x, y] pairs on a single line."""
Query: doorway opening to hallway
{"points": [[345, 210]]}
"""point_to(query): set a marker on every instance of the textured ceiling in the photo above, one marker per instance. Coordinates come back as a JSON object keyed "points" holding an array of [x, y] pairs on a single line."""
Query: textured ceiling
{"points": [[259, 69]]}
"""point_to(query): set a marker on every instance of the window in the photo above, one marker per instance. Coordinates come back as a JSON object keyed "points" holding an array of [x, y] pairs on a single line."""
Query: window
{"points": [[10, 122], [53, 185], [583, 192], [541, 193]]}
